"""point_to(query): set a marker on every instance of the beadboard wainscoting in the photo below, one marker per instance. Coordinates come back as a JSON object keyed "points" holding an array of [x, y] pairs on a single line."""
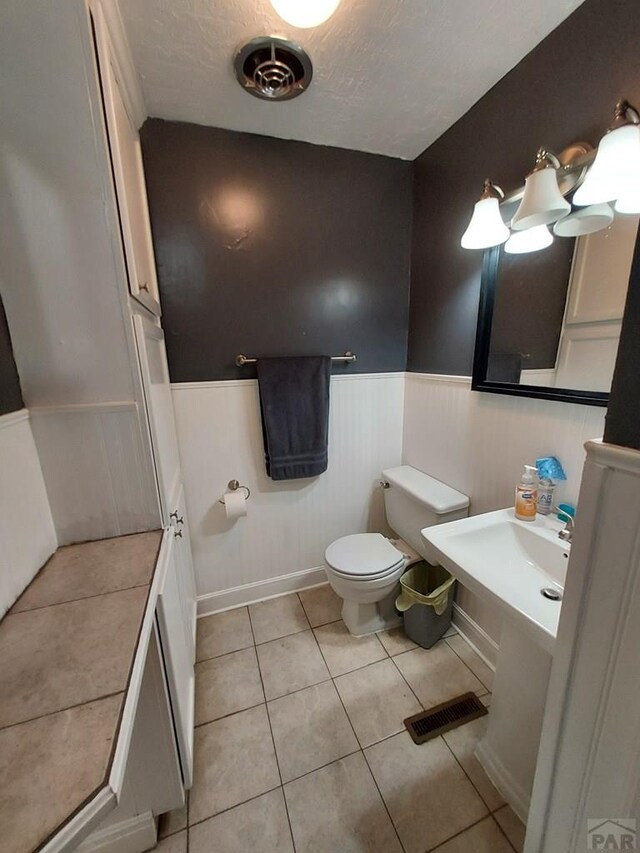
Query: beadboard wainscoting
{"points": [[27, 533], [478, 443], [282, 540], [99, 480]]}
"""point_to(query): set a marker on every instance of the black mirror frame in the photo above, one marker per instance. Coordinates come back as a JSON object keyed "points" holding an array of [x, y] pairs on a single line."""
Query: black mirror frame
{"points": [[479, 381]]}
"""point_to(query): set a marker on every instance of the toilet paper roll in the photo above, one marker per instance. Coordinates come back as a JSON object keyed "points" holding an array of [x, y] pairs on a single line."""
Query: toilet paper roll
{"points": [[235, 504]]}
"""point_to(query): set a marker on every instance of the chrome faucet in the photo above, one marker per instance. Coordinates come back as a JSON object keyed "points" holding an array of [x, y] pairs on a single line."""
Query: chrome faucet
{"points": [[566, 534]]}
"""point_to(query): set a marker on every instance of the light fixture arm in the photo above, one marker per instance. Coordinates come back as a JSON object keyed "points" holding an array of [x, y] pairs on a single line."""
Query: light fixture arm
{"points": [[624, 113], [545, 159], [491, 190]]}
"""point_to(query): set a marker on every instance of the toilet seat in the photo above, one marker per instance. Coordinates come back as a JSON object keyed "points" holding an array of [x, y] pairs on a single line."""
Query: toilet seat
{"points": [[364, 556]]}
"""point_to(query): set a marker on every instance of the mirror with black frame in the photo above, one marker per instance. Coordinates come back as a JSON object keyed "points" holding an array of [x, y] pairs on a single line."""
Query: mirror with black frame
{"points": [[549, 320]]}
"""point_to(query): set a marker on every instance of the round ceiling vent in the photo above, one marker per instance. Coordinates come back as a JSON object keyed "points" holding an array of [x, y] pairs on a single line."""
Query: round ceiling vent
{"points": [[273, 69]]}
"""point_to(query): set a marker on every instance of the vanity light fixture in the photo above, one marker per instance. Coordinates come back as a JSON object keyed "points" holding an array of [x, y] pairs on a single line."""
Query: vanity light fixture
{"points": [[531, 240], [615, 173], [486, 228], [585, 220], [543, 202], [305, 14]]}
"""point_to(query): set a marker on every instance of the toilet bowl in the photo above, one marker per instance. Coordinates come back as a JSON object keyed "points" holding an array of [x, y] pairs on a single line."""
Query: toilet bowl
{"points": [[364, 569]]}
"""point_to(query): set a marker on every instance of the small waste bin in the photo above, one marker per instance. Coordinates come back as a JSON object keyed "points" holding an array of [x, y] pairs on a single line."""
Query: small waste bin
{"points": [[426, 602]]}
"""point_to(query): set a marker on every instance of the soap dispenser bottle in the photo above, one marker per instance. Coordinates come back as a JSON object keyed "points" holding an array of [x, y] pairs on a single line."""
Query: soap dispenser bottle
{"points": [[527, 494]]}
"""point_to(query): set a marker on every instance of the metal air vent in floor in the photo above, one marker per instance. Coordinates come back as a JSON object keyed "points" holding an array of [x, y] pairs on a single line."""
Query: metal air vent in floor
{"points": [[444, 717]]}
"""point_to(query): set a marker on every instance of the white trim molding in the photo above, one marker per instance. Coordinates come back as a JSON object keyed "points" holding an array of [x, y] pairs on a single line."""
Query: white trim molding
{"points": [[229, 383], [484, 645], [250, 593], [129, 836], [589, 759]]}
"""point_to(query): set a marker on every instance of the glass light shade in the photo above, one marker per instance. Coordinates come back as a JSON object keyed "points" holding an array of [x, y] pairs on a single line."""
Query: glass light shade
{"points": [[486, 228], [305, 13], [586, 220], [542, 203], [531, 240], [617, 165], [629, 201]]}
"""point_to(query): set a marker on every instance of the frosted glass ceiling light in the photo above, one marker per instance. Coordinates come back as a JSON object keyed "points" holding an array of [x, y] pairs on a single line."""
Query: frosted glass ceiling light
{"points": [[543, 202], [617, 163], [531, 240], [305, 13], [629, 201], [586, 220], [486, 228]]}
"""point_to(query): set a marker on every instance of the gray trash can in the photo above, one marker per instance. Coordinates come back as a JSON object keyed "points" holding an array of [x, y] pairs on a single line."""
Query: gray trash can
{"points": [[426, 602]]}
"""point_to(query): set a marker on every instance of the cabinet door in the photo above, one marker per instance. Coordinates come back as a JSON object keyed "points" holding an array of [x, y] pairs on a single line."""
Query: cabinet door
{"points": [[176, 652], [157, 390], [128, 172], [180, 524]]}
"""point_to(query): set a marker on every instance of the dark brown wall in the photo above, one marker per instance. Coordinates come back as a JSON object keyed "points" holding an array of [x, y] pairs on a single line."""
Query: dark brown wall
{"points": [[270, 247], [564, 90], [10, 394]]}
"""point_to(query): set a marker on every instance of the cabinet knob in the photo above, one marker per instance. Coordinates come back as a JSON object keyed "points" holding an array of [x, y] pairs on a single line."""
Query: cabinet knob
{"points": [[174, 515], [144, 286], [178, 534]]}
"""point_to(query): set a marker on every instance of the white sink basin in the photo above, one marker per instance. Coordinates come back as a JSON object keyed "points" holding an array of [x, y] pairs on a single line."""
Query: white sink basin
{"points": [[507, 562]]}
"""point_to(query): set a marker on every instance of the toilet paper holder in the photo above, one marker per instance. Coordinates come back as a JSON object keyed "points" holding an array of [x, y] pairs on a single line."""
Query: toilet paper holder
{"points": [[233, 486]]}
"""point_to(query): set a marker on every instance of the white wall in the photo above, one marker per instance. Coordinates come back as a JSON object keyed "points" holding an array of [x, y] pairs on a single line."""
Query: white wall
{"points": [[27, 535], [289, 525], [478, 443]]}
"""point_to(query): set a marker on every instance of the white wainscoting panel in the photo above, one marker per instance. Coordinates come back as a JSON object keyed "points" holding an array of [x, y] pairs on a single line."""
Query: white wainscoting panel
{"points": [[289, 524], [27, 534], [478, 443], [97, 475]]}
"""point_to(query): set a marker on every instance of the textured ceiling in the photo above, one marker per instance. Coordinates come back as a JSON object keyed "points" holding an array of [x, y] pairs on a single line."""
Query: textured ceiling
{"points": [[390, 75]]}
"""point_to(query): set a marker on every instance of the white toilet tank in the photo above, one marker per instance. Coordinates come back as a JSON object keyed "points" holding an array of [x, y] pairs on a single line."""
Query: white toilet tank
{"points": [[414, 500]]}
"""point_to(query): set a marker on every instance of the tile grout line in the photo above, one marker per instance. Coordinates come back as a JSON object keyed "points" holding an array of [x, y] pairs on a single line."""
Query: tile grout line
{"points": [[273, 740], [4, 727], [12, 612], [461, 766], [458, 834], [413, 693], [335, 687], [230, 808], [499, 825]]}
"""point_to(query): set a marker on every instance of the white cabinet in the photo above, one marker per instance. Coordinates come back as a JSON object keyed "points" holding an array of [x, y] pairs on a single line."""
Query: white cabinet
{"points": [[180, 524], [128, 172], [174, 627]]}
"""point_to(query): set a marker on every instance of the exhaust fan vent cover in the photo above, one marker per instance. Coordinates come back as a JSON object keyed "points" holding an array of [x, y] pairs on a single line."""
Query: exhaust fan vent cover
{"points": [[273, 69]]}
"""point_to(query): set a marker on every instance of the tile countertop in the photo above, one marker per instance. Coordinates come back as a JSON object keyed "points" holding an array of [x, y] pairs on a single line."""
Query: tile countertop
{"points": [[66, 651]]}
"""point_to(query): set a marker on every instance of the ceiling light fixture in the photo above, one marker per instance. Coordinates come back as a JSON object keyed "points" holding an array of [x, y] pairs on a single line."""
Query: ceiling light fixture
{"points": [[542, 202], [531, 240], [486, 228], [305, 14], [615, 173]]}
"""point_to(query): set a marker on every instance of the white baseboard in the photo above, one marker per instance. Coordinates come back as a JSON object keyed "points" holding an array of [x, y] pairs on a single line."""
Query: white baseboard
{"points": [[134, 835], [227, 599], [503, 781], [476, 636]]}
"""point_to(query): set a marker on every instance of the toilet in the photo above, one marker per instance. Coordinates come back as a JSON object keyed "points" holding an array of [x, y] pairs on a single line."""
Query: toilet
{"points": [[364, 569]]}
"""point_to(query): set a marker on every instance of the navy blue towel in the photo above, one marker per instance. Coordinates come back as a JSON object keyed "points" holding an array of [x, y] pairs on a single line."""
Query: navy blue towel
{"points": [[294, 400]]}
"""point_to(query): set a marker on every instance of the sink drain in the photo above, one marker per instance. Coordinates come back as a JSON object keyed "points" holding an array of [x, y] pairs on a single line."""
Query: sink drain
{"points": [[551, 593]]}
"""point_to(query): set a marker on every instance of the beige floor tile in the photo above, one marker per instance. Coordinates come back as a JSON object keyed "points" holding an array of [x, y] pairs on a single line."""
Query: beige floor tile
{"points": [[437, 674], [223, 633], [513, 827], [343, 652], [451, 631], [310, 729], [173, 821], [321, 605], [472, 660], [173, 843], [463, 741], [226, 685], [426, 791], [396, 641], [484, 837], [291, 663], [338, 808], [377, 700], [277, 618], [234, 761], [260, 825]]}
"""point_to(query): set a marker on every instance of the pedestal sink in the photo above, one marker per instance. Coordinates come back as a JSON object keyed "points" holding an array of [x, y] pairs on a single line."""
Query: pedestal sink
{"points": [[520, 567]]}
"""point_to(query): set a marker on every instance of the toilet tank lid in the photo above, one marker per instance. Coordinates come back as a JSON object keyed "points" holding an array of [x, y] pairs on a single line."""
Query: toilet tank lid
{"points": [[436, 495]]}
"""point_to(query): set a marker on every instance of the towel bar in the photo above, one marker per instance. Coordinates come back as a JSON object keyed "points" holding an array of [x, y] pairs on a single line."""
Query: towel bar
{"points": [[241, 360]]}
